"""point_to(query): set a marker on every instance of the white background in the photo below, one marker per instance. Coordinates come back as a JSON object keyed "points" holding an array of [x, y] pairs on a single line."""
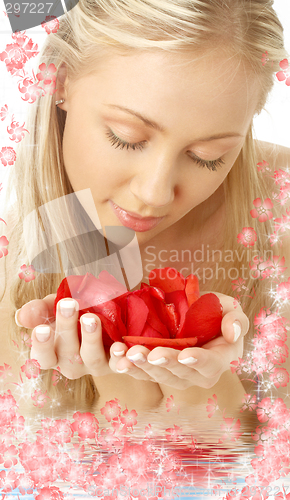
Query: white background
{"points": [[272, 125]]}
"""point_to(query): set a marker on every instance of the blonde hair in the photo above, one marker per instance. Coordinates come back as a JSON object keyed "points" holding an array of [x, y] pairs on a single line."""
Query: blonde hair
{"points": [[245, 28]]}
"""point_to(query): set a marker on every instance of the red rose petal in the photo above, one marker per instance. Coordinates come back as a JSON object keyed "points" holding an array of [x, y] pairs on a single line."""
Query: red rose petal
{"points": [[192, 289], [151, 343], [168, 279], [178, 298], [152, 303], [203, 319], [137, 315]]}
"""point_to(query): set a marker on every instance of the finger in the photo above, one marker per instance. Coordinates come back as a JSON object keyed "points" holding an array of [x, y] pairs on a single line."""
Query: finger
{"points": [[35, 312], [156, 368], [66, 333], [117, 351], [43, 347], [212, 359], [92, 349], [235, 324], [124, 365]]}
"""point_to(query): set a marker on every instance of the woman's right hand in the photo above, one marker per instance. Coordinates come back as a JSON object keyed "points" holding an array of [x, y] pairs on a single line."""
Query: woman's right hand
{"points": [[55, 341]]}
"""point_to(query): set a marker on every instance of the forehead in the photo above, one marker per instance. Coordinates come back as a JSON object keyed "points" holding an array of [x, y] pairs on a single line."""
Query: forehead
{"points": [[168, 86]]}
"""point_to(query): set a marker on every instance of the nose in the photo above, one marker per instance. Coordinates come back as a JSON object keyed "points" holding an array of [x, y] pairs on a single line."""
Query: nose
{"points": [[154, 184]]}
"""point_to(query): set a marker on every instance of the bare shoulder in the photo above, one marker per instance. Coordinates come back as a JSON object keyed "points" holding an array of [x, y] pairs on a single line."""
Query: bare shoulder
{"points": [[274, 154]]}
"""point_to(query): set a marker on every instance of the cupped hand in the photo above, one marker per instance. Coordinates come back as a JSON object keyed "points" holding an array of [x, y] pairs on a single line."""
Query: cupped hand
{"points": [[55, 341], [193, 366]]}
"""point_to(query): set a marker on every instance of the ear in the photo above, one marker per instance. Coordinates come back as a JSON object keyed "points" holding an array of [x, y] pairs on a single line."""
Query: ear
{"points": [[61, 86]]}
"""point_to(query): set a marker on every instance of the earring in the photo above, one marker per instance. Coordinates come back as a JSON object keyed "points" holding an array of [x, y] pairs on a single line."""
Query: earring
{"points": [[59, 102]]}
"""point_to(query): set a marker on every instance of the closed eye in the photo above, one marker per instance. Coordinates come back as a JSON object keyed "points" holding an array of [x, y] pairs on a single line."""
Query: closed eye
{"points": [[120, 143]]}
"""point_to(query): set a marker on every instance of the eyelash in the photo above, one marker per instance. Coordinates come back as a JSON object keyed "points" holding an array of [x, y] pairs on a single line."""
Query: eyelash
{"points": [[119, 143]]}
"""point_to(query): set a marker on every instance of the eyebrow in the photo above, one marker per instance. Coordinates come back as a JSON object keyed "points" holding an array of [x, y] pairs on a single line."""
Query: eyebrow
{"points": [[153, 124]]}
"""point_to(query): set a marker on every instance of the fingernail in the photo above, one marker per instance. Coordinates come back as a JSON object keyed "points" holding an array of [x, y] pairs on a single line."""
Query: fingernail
{"points": [[42, 333], [118, 353], [16, 318], [68, 307], [123, 371], [160, 361], [188, 361], [137, 358], [237, 330], [89, 324]]}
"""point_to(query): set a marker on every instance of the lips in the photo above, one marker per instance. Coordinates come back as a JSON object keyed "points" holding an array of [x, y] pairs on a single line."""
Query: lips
{"points": [[135, 221]]}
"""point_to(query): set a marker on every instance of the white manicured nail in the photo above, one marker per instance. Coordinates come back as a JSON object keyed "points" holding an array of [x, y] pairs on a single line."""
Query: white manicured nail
{"points": [[42, 333], [16, 318], [188, 361], [89, 324], [123, 371], [118, 353], [68, 307], [237, 330], [137, 357], [157, 362]]}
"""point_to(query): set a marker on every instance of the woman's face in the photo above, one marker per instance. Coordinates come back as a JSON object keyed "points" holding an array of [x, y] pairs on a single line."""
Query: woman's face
{"points": [[156, 134]]}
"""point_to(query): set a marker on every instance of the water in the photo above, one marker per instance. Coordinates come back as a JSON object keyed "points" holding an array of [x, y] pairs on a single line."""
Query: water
{"points": [[71, 454]]}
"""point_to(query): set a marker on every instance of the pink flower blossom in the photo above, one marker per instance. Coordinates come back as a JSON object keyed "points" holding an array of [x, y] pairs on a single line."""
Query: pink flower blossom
{"points": [[264, 410], [281, 177], [262, 210], [56, 377], [60, 431], [170, 403], [31, 368], [26, 339], [25, 485], [282, 224], [285, 73], [85, 424], [5, 371], [239, 285], [111, 410], [265, 58], [263, 167], [274, 331], [8, 408], [129, 418], [259, 267], [238, 366], [39, 398], [49, 493], [30, 89], [50, 24], [27, 273], [3, 243], [8, 456], [17, 54], [173, 433], [47, 74], [212, 406], [247, 237], [283, 290], [284, 194], [16, 131], [248, 402], [3, 112], [230, 429], [8, 481], [280, 377], [277, 351]]}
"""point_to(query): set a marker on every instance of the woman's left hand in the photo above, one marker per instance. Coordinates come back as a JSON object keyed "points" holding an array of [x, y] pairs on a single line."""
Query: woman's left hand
{"points": [[193, 366]]}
